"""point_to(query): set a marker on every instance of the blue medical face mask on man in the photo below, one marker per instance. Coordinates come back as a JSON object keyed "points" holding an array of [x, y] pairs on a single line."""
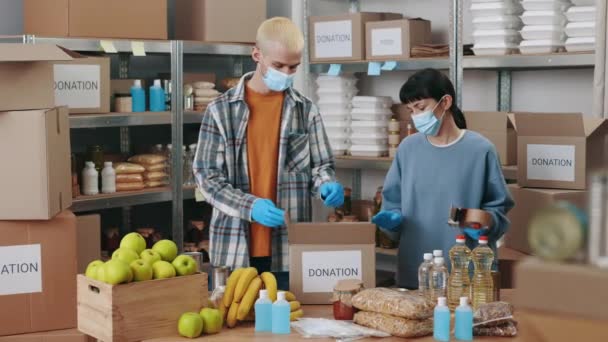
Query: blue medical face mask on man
{"points": [[427, 123], [276, 80]]}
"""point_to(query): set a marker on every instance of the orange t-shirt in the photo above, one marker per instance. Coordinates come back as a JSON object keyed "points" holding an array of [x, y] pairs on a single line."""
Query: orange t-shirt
{"points": [[263, 135]]}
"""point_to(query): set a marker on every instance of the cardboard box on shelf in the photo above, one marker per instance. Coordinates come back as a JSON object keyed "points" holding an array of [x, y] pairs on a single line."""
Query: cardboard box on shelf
{"points": [[499, 128], [38, 271], [527, 203], [229, 21], [66, 335], [123, 86], [393, 39], [557, 150], [140, 310], [36, 174], [137, 19], [320, 254], [341, 38], [27, 75], [83, 84], [88, 240], [562, 289]]}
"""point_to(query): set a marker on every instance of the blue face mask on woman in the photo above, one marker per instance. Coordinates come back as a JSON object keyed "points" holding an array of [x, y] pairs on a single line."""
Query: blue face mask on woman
{"points": [[276, 80], [427, 123]]}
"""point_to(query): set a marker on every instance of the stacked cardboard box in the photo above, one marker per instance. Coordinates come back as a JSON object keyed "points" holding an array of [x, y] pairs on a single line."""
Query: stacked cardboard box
{"points": [[555, 154], [38, 236]]}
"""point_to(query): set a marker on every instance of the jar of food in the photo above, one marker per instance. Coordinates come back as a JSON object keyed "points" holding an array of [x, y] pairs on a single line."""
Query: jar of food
{"points": [[95, 154], [342, 298]]}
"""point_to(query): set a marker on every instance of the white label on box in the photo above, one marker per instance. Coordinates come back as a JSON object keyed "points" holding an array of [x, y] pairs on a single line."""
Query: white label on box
{"points": [[322, 270], [334, 39], [551, 162], [77, 86], [20, 269], [386, 42]]}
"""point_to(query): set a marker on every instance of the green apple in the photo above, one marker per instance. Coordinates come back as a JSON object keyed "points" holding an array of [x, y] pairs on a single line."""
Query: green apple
{"points": [[190, 325], [142, 270], [117, 271], [212, 320], [125, 254], [101, 273], [163, 269], [92, 268], [167, 249], [133, 241], [185, 265], [151, 256]]}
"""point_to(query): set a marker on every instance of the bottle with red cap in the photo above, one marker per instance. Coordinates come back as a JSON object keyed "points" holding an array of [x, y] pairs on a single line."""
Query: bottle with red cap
{"points": [[483, 285], [459, 282]]}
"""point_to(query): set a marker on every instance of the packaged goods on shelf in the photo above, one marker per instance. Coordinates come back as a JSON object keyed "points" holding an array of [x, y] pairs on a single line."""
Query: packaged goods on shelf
{"points": [[583, 2], [507, 36], [543, 32], [129, 178], [507, 22], [394, 39], [552, 17], [396, 326], [545, 5], [335, 96], [155, 175], [372, 102], [155, 183], [585, 29], [580, 44], [332, 82], [541, 46], [134, 186], [581, 14], [128, 168], [369, 150], [148, 159], [339, 149], [327, 117], [489, 9], [409, 305], [369, 139]]}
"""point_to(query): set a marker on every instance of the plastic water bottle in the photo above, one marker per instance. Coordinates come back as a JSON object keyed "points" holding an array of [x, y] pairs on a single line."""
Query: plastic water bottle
{"points": [[464, 321], [441, 320], [483, 284], [108, 178], [263, 313], [138, 97], [424, 273], [439, 279], [459, 283], [157, 97], [280, 315], [90, 179]]}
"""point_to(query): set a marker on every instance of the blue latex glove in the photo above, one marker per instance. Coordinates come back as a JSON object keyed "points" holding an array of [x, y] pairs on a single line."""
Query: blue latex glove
{"points": [[332, 194], [388, 220], [267, 214], [475, 233]]}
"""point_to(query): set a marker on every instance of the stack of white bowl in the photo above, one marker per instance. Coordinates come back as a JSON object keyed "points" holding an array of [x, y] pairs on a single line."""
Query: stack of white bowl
{"points": [[369, 126], [581, 26], [496, 26], [335, 95], [544, 23]]}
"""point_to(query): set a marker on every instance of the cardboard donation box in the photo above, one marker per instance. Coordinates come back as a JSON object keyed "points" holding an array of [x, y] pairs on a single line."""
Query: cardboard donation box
{"points": [[557, 150], [393, 39], [321, 254], [66, 335], [36, 173], [233, 21], [37, 275], [561, 302], [89, 240], [341, 37], [499, 128], [27, 75], [140, 310], [141, 19], [527, 203]]}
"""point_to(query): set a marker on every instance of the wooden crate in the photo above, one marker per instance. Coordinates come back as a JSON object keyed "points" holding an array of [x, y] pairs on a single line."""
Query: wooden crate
{"points": [[137, 311]]}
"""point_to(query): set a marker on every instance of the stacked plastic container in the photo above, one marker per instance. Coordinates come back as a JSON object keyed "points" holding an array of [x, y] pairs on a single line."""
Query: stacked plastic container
{"points": [[544, 23], [581, 26], [496, 26], [369, 126], [335, 95]]}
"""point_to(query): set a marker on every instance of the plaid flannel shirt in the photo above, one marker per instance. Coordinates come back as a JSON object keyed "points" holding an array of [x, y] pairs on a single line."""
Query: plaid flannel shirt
{"points": [[221, 169]]}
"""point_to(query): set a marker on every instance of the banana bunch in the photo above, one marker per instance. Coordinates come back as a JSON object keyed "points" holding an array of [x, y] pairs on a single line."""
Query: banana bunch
{"points": [[242, 290]]}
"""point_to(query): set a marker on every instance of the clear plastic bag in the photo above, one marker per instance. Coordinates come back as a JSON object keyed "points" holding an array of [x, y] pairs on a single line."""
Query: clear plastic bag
{"points": [[493, 314], [328, 328], [508, 329], [396, 326], [215, 300], [410, 305], [148, 159], [128, 168]]}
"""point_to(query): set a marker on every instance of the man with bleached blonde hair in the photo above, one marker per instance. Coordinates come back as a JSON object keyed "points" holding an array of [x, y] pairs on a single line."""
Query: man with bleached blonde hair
{"points": [[262, 155]]}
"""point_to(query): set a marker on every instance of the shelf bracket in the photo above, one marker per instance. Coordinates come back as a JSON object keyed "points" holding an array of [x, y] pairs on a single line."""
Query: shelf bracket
{"points": [[456, 49], [177, 140], [356, 190], [504, 91]]}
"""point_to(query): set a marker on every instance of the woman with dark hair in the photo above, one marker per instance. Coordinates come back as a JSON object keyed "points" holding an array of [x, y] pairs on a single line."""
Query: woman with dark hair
{"points": [[442, 166]]}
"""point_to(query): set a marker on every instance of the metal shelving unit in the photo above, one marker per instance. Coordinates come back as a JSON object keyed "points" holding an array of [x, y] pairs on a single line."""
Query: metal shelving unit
{"points": [[177, 117]]}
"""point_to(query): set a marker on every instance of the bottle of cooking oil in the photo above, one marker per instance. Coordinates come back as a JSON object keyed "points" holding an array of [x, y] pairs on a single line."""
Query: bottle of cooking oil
{"points": [[459, 283], [483, 285]]}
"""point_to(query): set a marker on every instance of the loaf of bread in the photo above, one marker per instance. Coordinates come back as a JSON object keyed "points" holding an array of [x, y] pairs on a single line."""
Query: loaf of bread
{"points": [[129, 178], [155, 167], [128, 168], [395, 326], [148, 159], [410, 305], [155, 176], [206, 93], [129, 186]]}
